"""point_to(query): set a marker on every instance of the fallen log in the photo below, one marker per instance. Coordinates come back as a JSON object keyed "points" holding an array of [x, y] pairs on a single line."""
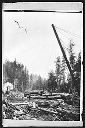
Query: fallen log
{"points": [[47, 110], [11, 106], [17, 104], [46, 97]]}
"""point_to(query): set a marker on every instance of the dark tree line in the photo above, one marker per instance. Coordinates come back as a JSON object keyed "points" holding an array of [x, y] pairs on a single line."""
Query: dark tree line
{"points": [[37, 82], [58, 80], [16, 74]]}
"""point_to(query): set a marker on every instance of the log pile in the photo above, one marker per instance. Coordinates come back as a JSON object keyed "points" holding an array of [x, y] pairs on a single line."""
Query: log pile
{"points": [[43, 109]]}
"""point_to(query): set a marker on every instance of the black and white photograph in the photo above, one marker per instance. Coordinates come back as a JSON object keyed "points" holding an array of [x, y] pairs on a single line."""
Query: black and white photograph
{"points": [[42, 71]]}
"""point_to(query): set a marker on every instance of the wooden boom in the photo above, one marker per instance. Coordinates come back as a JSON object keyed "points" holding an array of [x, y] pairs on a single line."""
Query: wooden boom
{"points": [[63, 52]]}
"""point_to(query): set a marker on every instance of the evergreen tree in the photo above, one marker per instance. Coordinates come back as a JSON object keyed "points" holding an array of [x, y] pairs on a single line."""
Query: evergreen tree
{"points": [[58, 72], [51, 82], [63, 69], [71, 55], [72, 64], [77, 73], [63, 73]]}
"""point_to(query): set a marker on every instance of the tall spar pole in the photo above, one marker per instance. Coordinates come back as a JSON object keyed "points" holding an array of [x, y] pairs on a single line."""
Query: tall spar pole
{"points": [[63, 52]]}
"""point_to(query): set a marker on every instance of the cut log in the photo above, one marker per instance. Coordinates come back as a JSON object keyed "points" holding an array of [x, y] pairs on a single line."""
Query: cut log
{"points": [[17, 104], [11, 106], [47, 110]]}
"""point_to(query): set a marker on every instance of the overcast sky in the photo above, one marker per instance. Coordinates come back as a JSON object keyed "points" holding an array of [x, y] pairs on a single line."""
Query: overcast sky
{"points": [[34, 44]]}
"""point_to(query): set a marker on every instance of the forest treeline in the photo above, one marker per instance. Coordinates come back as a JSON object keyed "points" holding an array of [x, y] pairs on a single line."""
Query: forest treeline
{"points": [[58, 80]]}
